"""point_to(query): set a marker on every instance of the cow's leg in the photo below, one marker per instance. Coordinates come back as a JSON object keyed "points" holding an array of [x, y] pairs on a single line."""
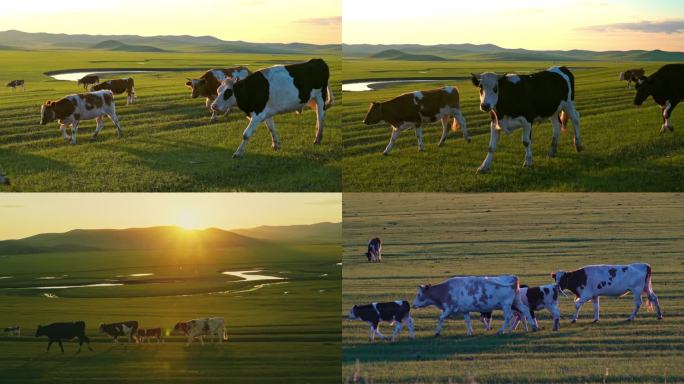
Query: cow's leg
{"points": [[377, 331], [115, 120], [667, 112], [469, 328], [637, 305], [578, 304], [595, 302], [508, 313], [419, 135], [445, 129], [74, 129], [59, 341], [397, 329], [493, 141], [409, 325], [445, 313], [393, 138], [525, 311], [371, 335], [515, 322], [527, 142], [65, 134], [320, 118], [575, 117], [556, 124], [555, 314], [275, 139], [99, 121], [249, 131], [458, 117], [49, 345], [653, 299]]}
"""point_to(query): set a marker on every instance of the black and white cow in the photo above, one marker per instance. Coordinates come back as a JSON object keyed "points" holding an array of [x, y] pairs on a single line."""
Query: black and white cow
{"points": [[394, 312], [127, 329], [536, 298], [275, 90], [666, 86], [12, 331], [514, 101], [462, 295], [592, 281], [374, 253], [64, 331]]}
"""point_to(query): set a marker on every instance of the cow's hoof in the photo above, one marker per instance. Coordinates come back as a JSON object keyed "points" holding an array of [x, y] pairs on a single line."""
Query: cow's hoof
{"points": [[595, 321], [317, 141], [468, 139], [238, 155], [437, 334], [275, 146], [421, 149], [527, 164], [552, 153], [385, 153], [660, 317], [629, 319], [483, 169], [573, 321], [441, 143], [671, 128]]}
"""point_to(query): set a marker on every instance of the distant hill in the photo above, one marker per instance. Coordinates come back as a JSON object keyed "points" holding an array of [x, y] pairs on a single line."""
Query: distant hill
{"points": [[477, 52], [321, 233], [395, 54], [114, 45], [134, 43]]}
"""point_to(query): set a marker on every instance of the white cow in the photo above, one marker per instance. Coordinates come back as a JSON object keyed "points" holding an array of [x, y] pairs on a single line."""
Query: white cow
{"points": [[208, 326]]}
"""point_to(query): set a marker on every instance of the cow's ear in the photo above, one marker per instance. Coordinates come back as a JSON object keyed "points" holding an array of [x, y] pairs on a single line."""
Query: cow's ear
{"points": [[189, 83], [553, 275], [475, 80]]}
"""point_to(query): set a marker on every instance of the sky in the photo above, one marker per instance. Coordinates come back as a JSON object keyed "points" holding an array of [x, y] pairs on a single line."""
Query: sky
{"points": [[272, 21], [26, 214], [532, 24]]}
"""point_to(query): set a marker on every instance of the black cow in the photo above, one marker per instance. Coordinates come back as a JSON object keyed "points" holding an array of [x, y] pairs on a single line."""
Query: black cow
{"points": [[392, 312], [67, 331], [374, 252], [514, 101], [666, 86], [275, 90], [16, 83]]}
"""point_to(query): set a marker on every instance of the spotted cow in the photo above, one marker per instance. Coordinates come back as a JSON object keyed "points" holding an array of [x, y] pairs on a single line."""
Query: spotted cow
{"points": [[128, 329], [395, 312], [207, 85], [197, 328], [631, 75], [374, 253]]}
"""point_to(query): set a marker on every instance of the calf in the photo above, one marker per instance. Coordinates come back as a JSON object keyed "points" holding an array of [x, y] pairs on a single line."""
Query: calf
{"points": [[16, 83], [514, 101], [275, 90], [536, 298], [592, 281], [374, 252], [118, 86], [70, 110], [127, 329], [12, 331], [392, 312], [209, 326], [462, 295], [666, 86], [208, 84], [87, 80], [631, 75], [67, 331], [412, 109], [146, 334]]}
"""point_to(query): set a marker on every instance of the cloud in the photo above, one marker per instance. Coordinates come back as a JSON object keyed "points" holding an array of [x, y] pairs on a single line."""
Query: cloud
{"points": [[333, 21], [669, 27]]}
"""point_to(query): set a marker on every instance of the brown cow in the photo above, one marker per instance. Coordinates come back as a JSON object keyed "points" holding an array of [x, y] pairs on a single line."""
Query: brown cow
{"points": [[632, 75], [207, 85], [118, 86], [87, 80], [410, 110], [16, 83]]}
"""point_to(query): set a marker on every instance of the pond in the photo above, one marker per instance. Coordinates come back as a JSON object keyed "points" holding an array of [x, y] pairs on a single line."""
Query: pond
{"points": [[74, 76], [250, 275], [372, 85]]}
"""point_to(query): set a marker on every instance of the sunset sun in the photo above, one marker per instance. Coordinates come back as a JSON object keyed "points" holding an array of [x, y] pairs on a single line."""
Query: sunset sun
{"points": [[188, 220]]}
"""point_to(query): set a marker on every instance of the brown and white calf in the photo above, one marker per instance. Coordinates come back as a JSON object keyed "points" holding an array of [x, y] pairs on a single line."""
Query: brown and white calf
{"points": [[395, 312], [536, 298], [197, 328], [631, 75], [207, 85], [146, 334], [16, 83], [374, 253], [70, 110], [411, 110], [593, 281], [128, 329], [462, 295], [118, 86], [88, 80]]}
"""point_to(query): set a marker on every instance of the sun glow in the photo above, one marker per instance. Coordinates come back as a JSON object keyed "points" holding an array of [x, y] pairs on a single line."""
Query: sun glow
{"points": [[189, 220]]}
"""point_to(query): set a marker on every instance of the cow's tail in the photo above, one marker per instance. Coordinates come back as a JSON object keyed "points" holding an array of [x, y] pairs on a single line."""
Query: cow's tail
{"points": [[225, 334], [455, 126], [330, 99], [648, 289]]}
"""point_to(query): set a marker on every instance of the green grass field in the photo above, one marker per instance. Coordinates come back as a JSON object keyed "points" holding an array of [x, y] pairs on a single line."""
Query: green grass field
{"points": [[431, 237], [169, 144], [277, 333], [623, 150]]}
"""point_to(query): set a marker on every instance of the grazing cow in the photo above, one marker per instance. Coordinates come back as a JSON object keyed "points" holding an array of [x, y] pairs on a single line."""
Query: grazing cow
{"points": [[209, 326], [207, 85], [410, 110], [514, 101], [592, 281], [12, 331], [536, 298], [631, 75], [374, 252], [88, 80], [67, 331], [462, 295], [146, 334], [666, 86], [392, 312], [70, 110], [118, 86], [275, 90], [16, 83], [127, 329]]}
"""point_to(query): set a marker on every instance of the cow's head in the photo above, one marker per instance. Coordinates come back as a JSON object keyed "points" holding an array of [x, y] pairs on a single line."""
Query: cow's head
{"points": [[47, 112], [423, 297], [181, 327], [561, 279], [352, 313], [97, 87], [198, 87], [225, 98], [374, 114], [40, 331], [644, 87], [101, 328], [488, 83]]}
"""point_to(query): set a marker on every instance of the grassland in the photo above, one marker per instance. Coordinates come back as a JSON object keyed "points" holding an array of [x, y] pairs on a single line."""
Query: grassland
{"points": [[285, 331], [169, 144], [623, 150], [430, 237]]}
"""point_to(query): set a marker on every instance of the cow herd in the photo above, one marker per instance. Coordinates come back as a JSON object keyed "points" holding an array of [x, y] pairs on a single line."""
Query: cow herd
{"points": [[463, 295], [518, 101], [193, 329]]}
